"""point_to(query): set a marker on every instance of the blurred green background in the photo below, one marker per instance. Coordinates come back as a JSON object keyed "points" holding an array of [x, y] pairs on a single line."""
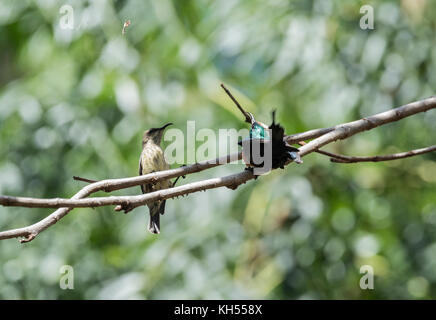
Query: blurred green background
{"points": [[75, 102]]}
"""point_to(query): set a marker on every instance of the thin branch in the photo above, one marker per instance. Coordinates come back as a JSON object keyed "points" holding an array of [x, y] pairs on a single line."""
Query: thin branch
{"points": [[326, 153], [349, 129], [395, 156], [245, 113], [110, 185], [84, 179], [339, 158], [130, 202]]}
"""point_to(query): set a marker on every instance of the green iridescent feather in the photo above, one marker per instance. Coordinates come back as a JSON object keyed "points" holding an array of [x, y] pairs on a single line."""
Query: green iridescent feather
{"points": [[258, 131]]}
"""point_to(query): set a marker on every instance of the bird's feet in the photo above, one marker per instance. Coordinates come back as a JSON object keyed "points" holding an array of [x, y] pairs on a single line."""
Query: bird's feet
{"points": [[251, 169], [177, 179]]}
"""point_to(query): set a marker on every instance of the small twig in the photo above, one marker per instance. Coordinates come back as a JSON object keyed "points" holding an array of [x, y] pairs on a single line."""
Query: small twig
{"points": [[245, 113], [338, 158], [84, 179], [326, 153], [389, 157], [94, 181]]}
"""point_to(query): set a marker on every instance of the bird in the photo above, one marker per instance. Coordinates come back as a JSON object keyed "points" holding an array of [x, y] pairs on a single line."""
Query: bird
{"points": [[282, 153], [261, 136], [152, 159]]}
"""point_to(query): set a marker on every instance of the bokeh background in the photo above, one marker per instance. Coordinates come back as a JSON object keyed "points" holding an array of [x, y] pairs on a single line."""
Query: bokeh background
{"points": [[75, 102]]}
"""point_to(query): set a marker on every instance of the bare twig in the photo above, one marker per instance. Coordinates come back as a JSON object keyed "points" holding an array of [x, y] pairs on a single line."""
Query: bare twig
{"points": [[395, 156], [245, 113], [84, 179], [339, 158], [326, 153]]}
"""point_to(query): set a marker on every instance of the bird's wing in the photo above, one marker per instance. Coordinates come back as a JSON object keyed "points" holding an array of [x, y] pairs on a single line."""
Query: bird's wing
{"points": [[158, 162], [162, 207], [140, 173]]}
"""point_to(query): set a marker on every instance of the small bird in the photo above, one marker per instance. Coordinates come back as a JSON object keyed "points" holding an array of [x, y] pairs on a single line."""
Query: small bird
{"points": [[152, 159], [282, 153], [265, 139]]}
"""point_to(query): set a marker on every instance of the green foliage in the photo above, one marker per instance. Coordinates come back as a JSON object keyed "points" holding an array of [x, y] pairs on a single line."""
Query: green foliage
{"points": [[75, 102]]}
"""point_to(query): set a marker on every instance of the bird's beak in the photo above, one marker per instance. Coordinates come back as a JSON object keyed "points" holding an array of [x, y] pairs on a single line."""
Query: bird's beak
{"points": [[165, 125]]}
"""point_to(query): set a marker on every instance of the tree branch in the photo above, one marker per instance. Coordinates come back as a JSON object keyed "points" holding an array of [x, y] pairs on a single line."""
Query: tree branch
{"points": [[30, 232], [395, 156], [321, 138], [311, 134], [349, 129], [130, 202]]}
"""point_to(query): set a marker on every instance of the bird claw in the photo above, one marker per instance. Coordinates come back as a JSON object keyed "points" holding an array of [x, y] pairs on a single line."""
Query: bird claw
{"points": [[124, 207]]}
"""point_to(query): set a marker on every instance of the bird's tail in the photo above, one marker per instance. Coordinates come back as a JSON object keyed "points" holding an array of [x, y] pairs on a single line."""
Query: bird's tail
{"points": [[293, 154], [154, 223], [156, 209]]}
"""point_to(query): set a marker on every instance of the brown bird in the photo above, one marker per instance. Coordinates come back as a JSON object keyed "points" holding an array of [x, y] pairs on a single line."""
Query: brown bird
{"points": [[152, 159]]}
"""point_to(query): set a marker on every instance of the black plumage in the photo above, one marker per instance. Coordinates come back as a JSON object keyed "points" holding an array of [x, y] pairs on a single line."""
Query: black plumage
{"points": [[282, 153], [266, 139]]}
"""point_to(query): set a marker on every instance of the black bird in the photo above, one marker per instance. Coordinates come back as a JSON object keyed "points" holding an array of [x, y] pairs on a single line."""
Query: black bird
{"points": [[262, 135]]}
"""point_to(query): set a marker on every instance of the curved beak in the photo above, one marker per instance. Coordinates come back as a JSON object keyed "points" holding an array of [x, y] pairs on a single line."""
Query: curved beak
{"points": [[165, 125]]}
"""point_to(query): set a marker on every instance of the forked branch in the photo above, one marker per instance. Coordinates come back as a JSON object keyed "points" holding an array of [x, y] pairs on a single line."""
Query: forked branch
{"points": [[321, 137]]}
